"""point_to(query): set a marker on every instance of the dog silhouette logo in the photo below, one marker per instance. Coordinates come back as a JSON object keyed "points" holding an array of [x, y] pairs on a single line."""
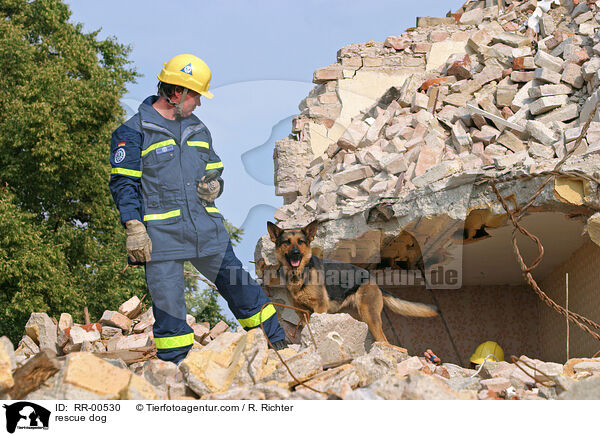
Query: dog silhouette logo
{"points": [[26, 415]]}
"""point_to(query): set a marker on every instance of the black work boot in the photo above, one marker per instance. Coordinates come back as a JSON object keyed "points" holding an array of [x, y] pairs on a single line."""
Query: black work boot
{"points": [[279, 345]]}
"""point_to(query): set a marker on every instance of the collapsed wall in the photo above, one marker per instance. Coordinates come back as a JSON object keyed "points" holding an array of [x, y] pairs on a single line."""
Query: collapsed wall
{"points": [[394, 147]]}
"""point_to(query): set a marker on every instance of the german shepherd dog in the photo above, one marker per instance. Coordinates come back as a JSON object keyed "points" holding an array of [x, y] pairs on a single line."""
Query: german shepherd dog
{"points": [[303, 274]]}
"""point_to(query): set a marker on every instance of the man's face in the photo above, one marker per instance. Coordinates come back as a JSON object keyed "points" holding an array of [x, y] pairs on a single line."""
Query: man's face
{"points": [[192, 100]]}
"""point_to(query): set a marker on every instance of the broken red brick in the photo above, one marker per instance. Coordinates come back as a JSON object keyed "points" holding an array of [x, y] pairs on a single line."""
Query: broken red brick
{"points": [[518, 63], [328, 122], [396, 42], [87, 327], [510, 27], [421, 47], [461, 69], [433, 82], [506, 112]]}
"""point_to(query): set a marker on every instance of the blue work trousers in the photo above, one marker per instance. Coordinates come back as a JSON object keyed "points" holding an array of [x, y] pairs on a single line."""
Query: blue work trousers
{"points": [[245, 298]]}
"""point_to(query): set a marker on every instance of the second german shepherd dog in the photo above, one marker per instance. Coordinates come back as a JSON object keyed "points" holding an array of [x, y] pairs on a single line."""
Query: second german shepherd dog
{"points": [[303, 274]]}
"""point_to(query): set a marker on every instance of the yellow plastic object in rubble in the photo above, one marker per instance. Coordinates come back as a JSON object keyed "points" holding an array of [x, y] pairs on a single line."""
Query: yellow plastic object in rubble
{"points": [[485, 349]]}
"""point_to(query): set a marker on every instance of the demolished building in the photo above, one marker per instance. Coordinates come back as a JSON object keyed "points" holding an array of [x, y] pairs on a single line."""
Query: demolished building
{"points": [[395, 153], [417, 156]]}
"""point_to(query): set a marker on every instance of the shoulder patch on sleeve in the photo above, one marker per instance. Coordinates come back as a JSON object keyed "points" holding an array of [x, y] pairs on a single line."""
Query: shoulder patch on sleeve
{"points": [[120, 155]]}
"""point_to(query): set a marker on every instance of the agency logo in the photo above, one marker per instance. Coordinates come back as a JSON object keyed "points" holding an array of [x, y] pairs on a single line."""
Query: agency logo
{"points": [[26, 416], [187, 69]]}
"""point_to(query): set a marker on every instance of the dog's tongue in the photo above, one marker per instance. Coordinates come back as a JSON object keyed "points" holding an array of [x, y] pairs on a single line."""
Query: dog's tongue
{"points": [[295, 263]]}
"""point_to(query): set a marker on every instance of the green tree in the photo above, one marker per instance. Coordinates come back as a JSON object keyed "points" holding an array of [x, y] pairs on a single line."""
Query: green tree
{"points": [[61, 243], [202, 303]]}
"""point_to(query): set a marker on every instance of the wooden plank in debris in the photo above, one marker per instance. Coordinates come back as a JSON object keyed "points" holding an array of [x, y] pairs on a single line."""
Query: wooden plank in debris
{"points": [[495, 119], [33, 373], [130, 356]]}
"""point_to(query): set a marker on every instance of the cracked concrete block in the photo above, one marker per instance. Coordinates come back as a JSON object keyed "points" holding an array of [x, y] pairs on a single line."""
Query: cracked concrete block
{"points": [[548, 90], [545, 104], [546, 60], [419, 102], [488, 74], [353, 174], [437, 172], [115, 319], [325, 74], [547, 75], [42, 330], [565, 113], [338, 336], [441, 51], [541, 132], [573, 75], [131, 308], [521, 76], [472, 17]]}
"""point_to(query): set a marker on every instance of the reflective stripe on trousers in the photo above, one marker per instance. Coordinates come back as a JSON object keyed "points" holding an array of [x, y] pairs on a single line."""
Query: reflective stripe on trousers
{"points": [[245, 298]]}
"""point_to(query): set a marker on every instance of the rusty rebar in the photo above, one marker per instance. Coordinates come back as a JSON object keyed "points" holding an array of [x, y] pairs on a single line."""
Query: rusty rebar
{"points": [[579, 320], [304, 320], [516, 360]]}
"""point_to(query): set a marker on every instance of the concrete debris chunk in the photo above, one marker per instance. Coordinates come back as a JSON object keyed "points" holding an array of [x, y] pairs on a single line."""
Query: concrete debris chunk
{"points": [[131, 308], [541, 132], [548, 90], [547, 75], [573, 75], [545, 104], [115, 319], [42, 330], [338, 336], [472, 17], [546, 60]]}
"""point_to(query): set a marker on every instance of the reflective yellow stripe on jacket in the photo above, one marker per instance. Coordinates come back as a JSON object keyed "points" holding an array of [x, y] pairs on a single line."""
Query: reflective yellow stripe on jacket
{"points": [[201, 144], [126, 172], [157, 145], [174, 341], [255, 319], [214, 165], [211, 209], [162, 216]]}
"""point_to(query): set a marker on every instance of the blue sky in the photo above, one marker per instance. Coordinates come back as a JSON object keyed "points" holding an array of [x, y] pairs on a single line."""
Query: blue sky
{"points": [[262, 55]]}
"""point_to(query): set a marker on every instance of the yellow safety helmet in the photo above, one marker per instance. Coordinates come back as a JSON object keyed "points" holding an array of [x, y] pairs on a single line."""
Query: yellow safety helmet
{"points": [[485, 349], [188, 71]]}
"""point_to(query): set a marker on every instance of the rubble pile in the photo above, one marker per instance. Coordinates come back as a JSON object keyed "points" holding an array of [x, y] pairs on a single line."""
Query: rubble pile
{"points": [[115, 333], [239, 365], [477, 93]]}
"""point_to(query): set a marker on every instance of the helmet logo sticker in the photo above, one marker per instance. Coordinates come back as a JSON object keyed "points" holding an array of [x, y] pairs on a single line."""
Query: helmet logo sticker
{"points": [[120, 155], [187, 69]]}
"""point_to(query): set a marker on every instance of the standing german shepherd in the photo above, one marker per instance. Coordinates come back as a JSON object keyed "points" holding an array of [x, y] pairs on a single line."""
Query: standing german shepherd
{"points": [[307, 279]]}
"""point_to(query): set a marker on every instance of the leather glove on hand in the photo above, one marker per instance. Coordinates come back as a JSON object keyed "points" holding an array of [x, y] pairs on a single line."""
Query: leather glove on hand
{"points": [[139, 245], [208, 191]]}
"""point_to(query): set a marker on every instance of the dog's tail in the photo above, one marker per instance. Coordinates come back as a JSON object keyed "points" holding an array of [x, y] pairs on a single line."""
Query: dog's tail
{"points": [[409, 308]]}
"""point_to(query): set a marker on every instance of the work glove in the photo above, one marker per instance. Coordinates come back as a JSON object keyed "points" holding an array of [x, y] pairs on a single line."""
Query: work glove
{"points": [[139, 245], [208, 190]]}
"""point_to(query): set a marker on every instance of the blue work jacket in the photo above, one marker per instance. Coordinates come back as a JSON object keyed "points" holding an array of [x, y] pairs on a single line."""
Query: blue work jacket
{"points": [[154, 177]]}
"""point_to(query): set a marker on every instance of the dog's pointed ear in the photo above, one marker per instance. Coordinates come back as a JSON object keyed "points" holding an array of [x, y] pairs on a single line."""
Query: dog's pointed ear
{"points": [[274, 231], [310, 230]]}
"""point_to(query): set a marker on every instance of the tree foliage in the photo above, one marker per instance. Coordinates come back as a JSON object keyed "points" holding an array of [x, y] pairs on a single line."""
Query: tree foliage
{"points": [[61, 243]]}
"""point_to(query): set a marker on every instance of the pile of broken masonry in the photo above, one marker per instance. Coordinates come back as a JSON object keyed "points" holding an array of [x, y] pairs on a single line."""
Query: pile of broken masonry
{"points": [[331, 361], [517, 100], [509, 101]]}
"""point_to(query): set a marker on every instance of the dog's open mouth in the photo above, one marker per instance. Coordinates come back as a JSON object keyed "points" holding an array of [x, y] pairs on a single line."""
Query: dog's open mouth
{"points": [[294, 260]]}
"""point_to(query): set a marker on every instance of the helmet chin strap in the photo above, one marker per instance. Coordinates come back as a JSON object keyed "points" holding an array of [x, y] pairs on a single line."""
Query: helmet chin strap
{"points": [[179, 106], [179, 111]]}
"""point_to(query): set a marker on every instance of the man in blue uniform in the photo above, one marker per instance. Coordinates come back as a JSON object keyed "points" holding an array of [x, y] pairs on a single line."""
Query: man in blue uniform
{"points": [[165, 178]]}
